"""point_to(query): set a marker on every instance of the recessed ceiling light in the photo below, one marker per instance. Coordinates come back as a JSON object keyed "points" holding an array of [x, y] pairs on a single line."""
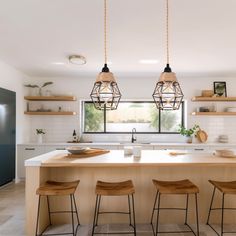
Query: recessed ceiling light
{"points": [[58, 63], [148, 61], [77, 59]]}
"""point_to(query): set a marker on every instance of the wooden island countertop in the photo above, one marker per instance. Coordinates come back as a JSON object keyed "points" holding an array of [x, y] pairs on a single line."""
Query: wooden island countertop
{"points": [[114, 167], [116, 158]]}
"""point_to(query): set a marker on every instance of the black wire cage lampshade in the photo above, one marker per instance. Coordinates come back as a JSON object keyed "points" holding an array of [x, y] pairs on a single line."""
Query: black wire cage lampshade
{"points": [[105, 93], [168, 94]]}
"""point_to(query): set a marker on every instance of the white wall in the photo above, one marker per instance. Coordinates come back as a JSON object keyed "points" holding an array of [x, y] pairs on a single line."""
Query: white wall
{"points": [[59, 129], [12, 79]]}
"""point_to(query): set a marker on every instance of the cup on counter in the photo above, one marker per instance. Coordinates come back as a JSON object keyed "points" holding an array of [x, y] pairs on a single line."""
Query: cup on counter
{"points": [[137, 151], [128, 150]]}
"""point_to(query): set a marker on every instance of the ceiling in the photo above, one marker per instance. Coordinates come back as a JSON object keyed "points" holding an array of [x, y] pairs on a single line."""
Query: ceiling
{"points": [[34, 34]]}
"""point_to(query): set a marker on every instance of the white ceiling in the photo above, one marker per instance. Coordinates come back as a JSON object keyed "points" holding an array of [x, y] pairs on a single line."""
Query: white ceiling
{"points": [[36, 33]]}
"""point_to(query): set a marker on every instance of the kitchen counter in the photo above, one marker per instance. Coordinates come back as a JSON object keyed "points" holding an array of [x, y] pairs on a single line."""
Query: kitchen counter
{"points": [[155, 144], [116, 158], [114, 167]]}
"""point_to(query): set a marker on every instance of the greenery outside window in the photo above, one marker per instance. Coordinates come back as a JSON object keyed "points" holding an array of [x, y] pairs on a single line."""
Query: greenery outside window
{"points": [[142, 115]]}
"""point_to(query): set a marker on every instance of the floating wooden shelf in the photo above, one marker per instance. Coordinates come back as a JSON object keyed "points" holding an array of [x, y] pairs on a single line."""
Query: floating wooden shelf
{"points": [[213, 99], [214, 113], [50, 98], [59, 113]]}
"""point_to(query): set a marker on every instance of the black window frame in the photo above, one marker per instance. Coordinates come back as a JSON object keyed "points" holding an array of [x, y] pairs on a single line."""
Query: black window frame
{"points": [[182, 106]]}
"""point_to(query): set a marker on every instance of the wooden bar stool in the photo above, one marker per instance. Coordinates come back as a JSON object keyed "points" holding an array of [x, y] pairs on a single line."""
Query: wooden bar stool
{"points": [[52, 188], [115, 189], [224, 188], [183, 187]]}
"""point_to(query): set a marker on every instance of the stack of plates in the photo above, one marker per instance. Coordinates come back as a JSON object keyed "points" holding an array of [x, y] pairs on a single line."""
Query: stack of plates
{"points": [[225, 153], [223, 138]]}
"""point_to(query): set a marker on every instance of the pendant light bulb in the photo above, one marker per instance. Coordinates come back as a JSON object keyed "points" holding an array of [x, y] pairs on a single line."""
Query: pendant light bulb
{"points": [[167, 94], [105, 93]]}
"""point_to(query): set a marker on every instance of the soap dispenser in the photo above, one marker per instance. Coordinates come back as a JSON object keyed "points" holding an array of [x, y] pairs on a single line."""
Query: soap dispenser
{"points": [[74, 136]]}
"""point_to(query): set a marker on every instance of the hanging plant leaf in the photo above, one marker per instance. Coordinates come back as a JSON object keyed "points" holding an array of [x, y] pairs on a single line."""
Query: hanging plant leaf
{"points": [[46, 84], [31, 86]]}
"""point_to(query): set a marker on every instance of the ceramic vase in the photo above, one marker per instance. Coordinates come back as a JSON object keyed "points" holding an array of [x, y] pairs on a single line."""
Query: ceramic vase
{"points": [[189, 139], [39, 138]]}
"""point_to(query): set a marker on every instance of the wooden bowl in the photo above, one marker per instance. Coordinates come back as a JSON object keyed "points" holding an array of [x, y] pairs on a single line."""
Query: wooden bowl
{"points": [[207, 93]]}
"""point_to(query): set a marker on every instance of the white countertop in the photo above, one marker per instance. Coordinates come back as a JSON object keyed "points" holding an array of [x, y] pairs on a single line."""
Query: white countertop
{"points": [[116, 158], [127, 143]]}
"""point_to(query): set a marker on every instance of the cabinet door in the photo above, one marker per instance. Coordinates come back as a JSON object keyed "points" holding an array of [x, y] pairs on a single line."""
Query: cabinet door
{"points": [[49, 148], [198, 149], [168, 147], [144, 147], [24, 153], [108, 147]]}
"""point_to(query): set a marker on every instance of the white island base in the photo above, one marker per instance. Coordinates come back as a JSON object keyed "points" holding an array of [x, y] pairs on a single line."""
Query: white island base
{"points": [[114, 166]]}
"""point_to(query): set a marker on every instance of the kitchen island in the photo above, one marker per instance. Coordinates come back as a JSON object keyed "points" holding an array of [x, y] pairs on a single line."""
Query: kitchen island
{"points": [[114, 166]]}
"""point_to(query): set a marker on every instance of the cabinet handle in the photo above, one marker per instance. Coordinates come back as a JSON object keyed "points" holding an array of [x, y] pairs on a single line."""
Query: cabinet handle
{"points": [[199, 149], [60, 149], [29, 149]]}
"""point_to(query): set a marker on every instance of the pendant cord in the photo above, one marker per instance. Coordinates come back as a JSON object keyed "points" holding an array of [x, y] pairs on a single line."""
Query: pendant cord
{"points": [[167, 32], [105, 31]]}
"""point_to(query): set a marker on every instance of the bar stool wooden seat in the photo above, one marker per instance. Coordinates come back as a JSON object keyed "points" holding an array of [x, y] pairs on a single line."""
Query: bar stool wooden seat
{"points": [[53, 188], [115, 189], [183, 187], [224, 188]]}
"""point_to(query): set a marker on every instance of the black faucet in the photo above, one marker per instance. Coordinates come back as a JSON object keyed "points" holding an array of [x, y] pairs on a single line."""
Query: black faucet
{"points": [[133, 139]]}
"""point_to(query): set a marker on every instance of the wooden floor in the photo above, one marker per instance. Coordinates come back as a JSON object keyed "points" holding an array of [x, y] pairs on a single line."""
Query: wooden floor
{"points": [[12, 218]]}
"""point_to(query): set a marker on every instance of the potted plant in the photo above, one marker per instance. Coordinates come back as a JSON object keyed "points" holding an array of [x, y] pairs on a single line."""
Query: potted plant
{"points": [[40, 133], [188, 133], [39, 87]]}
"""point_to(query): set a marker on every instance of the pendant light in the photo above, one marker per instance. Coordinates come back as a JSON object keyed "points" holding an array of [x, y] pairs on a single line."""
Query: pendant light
{"points": [[167, 94], [105, 94]]}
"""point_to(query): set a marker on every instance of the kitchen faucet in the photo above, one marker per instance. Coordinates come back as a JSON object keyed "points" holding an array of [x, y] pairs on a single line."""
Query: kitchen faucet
{"points": [[133, 139]]}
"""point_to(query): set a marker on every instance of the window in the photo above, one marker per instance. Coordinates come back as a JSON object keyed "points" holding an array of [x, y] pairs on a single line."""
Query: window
{"points": [[142, 115]]}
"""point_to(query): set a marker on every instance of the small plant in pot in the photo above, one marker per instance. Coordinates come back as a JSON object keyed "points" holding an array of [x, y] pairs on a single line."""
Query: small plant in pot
{"points": [[188, 133], [40, 133]]}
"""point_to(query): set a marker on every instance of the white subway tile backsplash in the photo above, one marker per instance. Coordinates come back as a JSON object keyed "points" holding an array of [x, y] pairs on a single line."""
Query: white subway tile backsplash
{"points": [[60, 128]]}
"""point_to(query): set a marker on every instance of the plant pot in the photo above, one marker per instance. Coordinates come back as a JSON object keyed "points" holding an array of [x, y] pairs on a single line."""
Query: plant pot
{"points": [[39, 138], [189, 139]]}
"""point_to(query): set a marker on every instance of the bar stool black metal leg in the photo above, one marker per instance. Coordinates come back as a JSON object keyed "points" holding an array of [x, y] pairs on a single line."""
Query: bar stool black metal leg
{"points": [[37, 222], [49, 212], [153, 209], [197, 214], [98, 209], [72, 215], [186, 213], [158, 212], [76, 210], [129, 210], [212, 199], [222, 216], [133, 215], [95, 215]]}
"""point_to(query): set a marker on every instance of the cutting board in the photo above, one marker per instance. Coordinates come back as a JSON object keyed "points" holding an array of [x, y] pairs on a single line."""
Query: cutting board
{"points": [[202, 136], [89, 153]]}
